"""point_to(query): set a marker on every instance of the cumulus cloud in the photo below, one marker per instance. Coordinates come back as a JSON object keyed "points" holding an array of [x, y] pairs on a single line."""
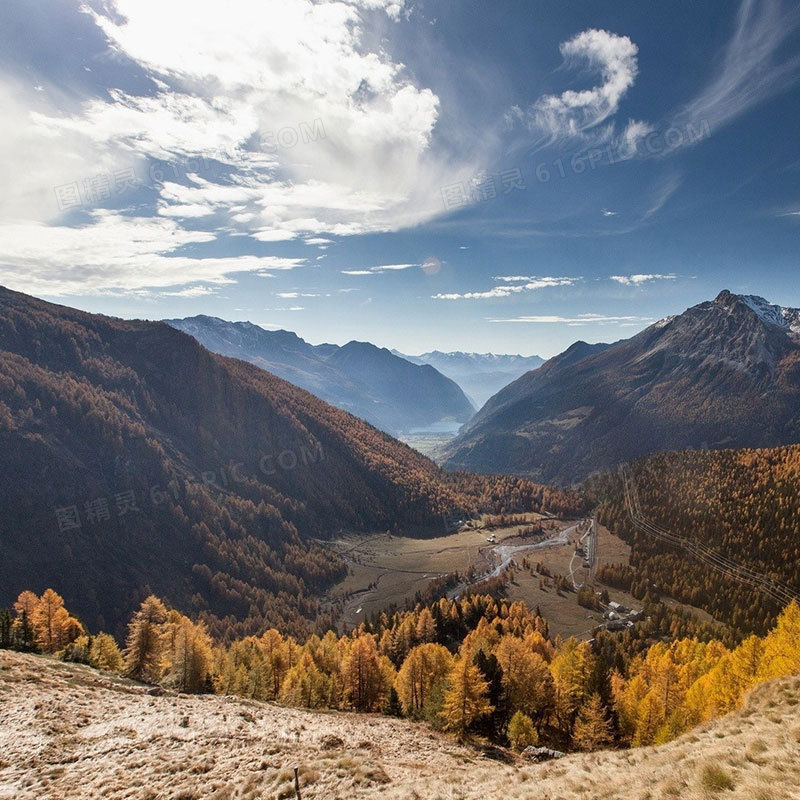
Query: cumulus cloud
{"points": [[510, 289], [279, 99]]}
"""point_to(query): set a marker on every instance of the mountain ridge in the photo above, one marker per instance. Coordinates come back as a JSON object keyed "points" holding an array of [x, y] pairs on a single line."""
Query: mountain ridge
{"points": [[720, 374], [368, 381], [480, 375]]}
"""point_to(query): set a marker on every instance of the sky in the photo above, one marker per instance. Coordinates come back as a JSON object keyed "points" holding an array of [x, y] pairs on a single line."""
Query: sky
{"points": [[422, 174]]}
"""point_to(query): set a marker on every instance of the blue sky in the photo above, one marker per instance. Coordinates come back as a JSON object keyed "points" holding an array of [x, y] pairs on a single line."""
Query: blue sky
{"points": [[504, 177]]}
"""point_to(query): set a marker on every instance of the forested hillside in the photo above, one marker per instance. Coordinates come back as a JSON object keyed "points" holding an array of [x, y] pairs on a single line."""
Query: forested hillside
{"points": [[743, 504], [479, 667], [133, 460]]}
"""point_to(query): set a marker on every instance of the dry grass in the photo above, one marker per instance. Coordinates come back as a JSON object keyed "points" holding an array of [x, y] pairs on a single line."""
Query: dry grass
{"points": [[70, 733]]}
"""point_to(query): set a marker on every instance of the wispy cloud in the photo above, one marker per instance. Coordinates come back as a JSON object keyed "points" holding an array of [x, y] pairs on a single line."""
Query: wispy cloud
{"points": [[379, 269], [640, 278], [580, 319], [752, 68], [191, 291], [664, 189], [510, 289]]}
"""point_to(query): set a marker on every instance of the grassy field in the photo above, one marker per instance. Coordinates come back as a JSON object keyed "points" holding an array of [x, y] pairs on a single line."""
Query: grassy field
{"points": [[388, 569], [68, 732]]}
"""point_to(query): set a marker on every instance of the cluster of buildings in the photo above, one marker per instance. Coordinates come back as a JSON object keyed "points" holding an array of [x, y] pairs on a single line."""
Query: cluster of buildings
{"points": [[619, 618]]}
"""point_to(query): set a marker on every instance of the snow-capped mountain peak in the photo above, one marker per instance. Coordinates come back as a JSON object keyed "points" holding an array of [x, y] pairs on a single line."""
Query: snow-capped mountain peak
{"points": [[773, 314]]}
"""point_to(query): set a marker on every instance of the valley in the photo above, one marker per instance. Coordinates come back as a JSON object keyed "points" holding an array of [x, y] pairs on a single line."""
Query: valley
{"points": [[387, 570], [399, 400]]}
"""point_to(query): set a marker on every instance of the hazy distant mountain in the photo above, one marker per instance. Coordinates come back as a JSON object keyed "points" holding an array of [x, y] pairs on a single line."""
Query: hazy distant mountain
{"points": [[724, 373], [480, 375], [386, 390]]}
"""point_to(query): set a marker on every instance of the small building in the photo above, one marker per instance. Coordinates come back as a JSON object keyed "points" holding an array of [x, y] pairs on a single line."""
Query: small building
{"points": [[618, 607]]}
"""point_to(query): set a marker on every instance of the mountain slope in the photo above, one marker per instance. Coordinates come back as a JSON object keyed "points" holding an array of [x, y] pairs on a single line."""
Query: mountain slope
{"points": [[480, 375], [133, 460], [742, 505], [70, 732], [721, 374], [372, 383]]}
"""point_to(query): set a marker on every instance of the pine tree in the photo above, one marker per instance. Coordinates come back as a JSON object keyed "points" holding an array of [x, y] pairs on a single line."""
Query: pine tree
{"points": [[54, 627], [426, 627], [592, 727], [23, 633], [527, 681], [189, 654], [274, 649], [145, 648], [305, 685], [781, 654], [104, 653], [521, 732], [6, 622], [367, 675], [465, 697]]}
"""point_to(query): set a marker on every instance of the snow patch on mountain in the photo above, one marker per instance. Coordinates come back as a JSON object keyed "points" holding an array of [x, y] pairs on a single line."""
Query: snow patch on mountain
{"points": [[773, 314]]}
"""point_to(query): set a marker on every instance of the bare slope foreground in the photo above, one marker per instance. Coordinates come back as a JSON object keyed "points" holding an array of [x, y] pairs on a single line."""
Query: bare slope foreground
{"points": [[70, 733], [725, 373]]}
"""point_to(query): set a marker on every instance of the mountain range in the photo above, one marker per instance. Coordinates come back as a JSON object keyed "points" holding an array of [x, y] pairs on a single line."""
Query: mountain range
{"points": [[370, 382], [725, 373], [133, 460], [480, 375]]}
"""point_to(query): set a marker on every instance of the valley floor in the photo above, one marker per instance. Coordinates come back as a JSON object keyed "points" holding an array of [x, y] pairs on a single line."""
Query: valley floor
{"points": [[68, 732], [385, 570]]}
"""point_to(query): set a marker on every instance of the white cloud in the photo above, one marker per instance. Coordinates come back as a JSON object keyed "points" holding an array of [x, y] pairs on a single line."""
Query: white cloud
{"points": [[295, 295], [190, 291], [580, 319], [640, 278], [574, 113], [378, 269], [310, 127], [532, 285], [114, 252]]}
